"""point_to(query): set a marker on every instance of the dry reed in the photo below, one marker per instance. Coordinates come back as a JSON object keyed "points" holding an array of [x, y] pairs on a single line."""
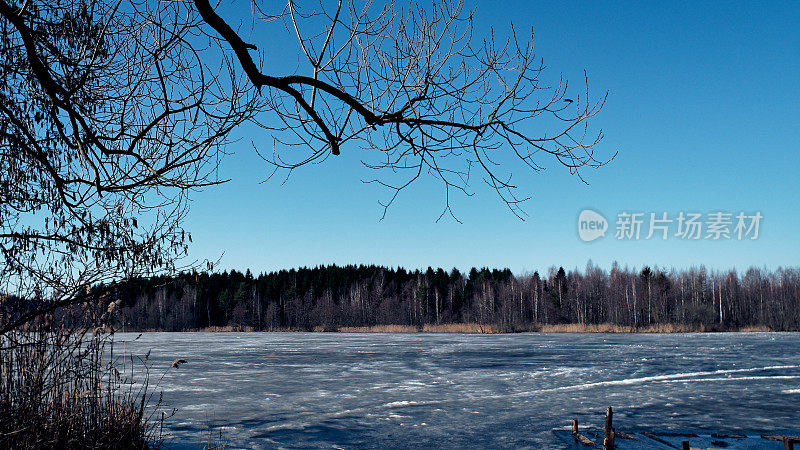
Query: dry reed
{"points": [[656, 328], [543, 328], [493, 328], [60, 389], [427, 328]]}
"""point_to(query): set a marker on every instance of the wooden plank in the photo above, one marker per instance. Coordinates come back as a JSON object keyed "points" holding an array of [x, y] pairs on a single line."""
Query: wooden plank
{"points": [[592, 437], [795, 438], [657, 439], [583, 440]]}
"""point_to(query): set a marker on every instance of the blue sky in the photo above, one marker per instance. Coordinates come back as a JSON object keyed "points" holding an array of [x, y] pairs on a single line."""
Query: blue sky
{"points": [[703, 110]]}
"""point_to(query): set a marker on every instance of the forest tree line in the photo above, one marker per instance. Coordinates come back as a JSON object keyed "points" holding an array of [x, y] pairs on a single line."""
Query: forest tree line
{"points": [[331, 297]]}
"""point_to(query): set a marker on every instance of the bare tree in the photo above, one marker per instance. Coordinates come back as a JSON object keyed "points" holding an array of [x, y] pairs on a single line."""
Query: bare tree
{"points": [[109, 116], [113, 112]]}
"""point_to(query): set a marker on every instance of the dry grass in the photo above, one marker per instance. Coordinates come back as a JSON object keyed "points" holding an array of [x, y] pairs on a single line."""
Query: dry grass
{"points": [[380, 329], [657, 328], [489, 328], [612, 328], [225, 329], [581, 328], [755, 329], [58, 390], [428, 328], [460, 328]]}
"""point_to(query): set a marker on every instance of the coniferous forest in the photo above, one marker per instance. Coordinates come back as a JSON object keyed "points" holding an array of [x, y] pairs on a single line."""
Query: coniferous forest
{"points": [[333, 297]]}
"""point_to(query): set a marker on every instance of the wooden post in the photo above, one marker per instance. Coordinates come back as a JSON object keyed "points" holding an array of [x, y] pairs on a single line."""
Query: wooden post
{"points": [[608, 440], [579, 438], [788, 444], [685, 445]]}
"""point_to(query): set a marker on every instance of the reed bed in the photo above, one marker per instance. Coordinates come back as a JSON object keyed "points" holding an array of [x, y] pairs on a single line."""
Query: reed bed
{"points": [[542, 328], [460, 328], [380, 329], [504, 328], [427, 328], [61, 389], [657, 328]]}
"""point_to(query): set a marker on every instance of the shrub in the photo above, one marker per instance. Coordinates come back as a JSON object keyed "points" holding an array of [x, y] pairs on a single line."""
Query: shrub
{"points": [[61, 388]]}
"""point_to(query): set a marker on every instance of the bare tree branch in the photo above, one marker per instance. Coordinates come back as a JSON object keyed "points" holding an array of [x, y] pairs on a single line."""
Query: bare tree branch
{"points": [[414, 87]]}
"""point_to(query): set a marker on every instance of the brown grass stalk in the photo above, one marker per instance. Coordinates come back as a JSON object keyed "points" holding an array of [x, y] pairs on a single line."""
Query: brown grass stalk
{"points": [[60, 389]]}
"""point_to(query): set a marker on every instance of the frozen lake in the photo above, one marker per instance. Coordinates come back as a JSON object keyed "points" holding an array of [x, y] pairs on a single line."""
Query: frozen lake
{"points": [[324, 390]]}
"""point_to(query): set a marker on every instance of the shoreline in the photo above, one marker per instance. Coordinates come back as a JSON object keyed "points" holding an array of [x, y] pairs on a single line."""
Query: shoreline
{"points": [[474, 328]]}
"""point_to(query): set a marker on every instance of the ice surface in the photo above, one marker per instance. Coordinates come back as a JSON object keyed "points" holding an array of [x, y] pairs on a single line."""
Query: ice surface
{"points": [[478, 391]]}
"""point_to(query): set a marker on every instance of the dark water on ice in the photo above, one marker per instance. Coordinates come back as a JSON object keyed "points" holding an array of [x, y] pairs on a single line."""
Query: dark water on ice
{"points": [[328, 390]]}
